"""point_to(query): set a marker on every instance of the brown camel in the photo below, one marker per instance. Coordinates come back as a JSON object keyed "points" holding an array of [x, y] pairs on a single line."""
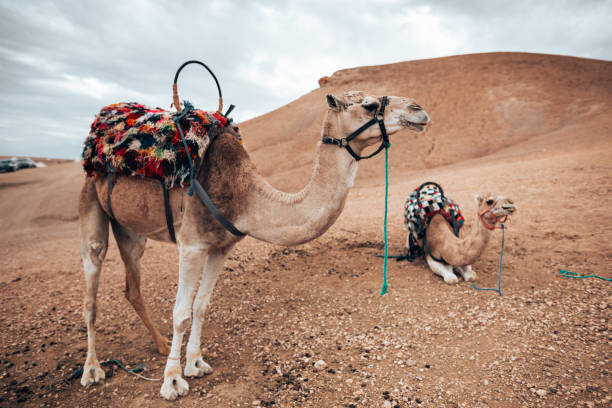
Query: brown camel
{"points": [[245, 198], [459, 253]]}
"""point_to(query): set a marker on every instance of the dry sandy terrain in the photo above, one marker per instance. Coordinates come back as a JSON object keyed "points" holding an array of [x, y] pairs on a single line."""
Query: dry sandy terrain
{"points": [[536, 128]]}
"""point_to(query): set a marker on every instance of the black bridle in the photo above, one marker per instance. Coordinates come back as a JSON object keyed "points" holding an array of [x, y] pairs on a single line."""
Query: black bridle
{"points": [[378, 118]]}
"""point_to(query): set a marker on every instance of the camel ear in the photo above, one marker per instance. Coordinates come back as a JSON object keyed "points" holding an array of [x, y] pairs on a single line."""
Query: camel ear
{"points": [[478, 199], [335, 103]]}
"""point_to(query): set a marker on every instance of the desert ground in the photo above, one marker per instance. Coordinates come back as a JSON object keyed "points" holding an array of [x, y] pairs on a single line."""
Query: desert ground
{"points": [[536, 128]]}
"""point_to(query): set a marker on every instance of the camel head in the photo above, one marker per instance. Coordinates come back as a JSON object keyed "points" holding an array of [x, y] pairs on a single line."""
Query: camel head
{"points": [[494, 209], [354, 108]]}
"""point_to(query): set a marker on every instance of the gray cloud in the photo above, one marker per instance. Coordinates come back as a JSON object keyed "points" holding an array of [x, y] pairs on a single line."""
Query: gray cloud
{"points": [[62, 61]]}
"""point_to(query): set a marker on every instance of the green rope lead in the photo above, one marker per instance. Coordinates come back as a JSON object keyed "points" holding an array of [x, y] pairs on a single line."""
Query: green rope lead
{"points": [[501, 257], [568, 274], [385, 286]]}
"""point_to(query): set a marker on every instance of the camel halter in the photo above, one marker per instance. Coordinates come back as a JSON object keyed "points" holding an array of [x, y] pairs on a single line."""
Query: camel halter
{"points": [[498, 218], [378, 118]]}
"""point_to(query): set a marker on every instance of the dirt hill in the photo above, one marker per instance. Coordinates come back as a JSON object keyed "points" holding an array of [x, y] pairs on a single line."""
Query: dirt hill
{"points": [[536, 128], [479, 104]]}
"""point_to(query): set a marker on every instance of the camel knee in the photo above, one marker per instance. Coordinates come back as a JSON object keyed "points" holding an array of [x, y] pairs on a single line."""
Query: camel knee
{"points": [[94, 251], [181, 320]]}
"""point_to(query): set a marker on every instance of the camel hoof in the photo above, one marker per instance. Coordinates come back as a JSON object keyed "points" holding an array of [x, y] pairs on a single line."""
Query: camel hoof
{"points": [[174, 387], [469, 276], [197, 368], [163, 348], [92, 373], [451, 279]]}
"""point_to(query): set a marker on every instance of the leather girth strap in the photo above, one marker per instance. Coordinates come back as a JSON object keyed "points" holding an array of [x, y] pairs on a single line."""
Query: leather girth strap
{"points": [[214, 211], [205, 198], [109, 177], [168, 209]]}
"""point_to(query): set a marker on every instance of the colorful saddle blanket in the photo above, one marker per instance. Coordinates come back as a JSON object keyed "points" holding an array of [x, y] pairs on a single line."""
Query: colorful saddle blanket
{"points": [[135, 140], [423, 204]]}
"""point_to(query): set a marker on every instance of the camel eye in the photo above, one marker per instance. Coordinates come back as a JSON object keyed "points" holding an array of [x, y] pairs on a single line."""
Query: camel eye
{"points": [[490, 202], [370, 106]]}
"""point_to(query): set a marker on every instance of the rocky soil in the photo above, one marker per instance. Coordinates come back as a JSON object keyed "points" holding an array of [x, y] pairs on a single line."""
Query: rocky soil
{"points": [[306, 326]]}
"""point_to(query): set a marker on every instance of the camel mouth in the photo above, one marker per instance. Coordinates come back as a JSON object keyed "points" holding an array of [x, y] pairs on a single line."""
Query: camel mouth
{"points": [[419, 126]]}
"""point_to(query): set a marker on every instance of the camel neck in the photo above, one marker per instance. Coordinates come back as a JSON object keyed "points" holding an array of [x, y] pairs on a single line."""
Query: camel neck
{"points": [[473, 244], [457, 251], [291, 219]]}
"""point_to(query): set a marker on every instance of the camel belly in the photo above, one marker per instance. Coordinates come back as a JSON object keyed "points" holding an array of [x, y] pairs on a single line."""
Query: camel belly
{"points": [[138, 204]]}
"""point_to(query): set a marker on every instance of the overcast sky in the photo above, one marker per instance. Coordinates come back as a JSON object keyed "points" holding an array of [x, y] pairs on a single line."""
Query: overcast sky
{"points": [[61, 61]]}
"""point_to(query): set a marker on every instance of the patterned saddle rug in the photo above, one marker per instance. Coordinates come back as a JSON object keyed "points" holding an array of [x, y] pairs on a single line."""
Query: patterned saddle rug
{"points": [[425, 202], [135, 140]]}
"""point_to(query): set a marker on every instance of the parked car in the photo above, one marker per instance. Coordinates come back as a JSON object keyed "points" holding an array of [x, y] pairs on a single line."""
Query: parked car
{"points": [[7, 166], [25, 163]]}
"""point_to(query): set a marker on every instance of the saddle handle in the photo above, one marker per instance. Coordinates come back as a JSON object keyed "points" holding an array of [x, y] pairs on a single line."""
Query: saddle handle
{"points": [[175, 98], [434, 184]]}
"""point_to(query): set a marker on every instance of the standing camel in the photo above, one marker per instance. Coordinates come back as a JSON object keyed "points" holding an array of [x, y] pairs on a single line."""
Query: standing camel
{"points": [[245, 198]]}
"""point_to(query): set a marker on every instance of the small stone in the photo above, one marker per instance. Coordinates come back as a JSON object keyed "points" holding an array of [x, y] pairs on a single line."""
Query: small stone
{"points": [[257, 403], [541, 392], [320, 364], [387, 404]]}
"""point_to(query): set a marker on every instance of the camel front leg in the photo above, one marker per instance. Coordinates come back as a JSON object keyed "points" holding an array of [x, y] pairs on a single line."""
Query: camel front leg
{"points": [[466, 272], [443, 270], [191, 263], [195, 365]]}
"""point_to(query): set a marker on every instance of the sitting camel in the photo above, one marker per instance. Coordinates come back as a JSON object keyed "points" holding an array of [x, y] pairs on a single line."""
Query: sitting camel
{"points": [[445, 250], [253, 206]]}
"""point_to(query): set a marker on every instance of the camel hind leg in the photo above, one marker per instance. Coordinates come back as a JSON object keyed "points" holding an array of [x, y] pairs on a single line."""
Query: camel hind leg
{"points": [[195, 366], [94, 243], [131, 247]]}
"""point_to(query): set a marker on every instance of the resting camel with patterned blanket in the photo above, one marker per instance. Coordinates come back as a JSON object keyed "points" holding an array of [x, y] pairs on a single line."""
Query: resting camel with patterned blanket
{"points": [[434, 222], [244, 198]]}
